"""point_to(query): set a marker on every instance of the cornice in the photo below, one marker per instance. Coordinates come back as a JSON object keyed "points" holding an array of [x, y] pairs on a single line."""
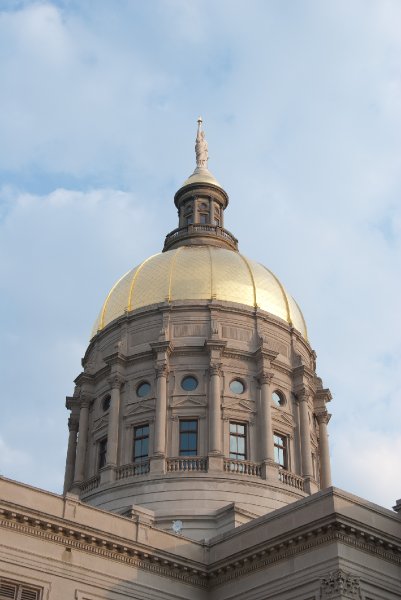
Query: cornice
{"points": [[334, 528], [92, 542], [284, 547]]}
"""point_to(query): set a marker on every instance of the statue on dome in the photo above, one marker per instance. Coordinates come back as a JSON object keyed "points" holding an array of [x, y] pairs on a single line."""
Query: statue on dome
{"points": [[201, 149]]}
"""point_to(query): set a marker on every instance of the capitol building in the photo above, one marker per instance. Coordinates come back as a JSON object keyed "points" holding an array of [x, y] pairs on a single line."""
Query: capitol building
{"points": [[198, 463]]}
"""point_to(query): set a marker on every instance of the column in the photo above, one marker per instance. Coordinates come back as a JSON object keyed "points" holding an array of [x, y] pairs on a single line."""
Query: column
{"points": [[114, 418], [71, 454], [161, 411], [82, 442], [214, 410], [325, 468], [267, 442], [306, 449]]}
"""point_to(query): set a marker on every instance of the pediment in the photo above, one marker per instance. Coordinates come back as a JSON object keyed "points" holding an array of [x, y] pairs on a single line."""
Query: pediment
{"points": [[182, 401], [100, 423], [283, 417], [241, 405], [141, 407]]}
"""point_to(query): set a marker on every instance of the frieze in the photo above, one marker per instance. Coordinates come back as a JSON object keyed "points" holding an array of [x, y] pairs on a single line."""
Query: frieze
{"points": [[73, 538], [198, 574]]}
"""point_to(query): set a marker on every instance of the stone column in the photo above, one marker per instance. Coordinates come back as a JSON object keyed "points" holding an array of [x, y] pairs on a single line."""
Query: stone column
{"points": [[325, 468], [214, 410], [161, 411], [306, 448], [71, 454], [267, 441], [82, 443], [114, 417]]}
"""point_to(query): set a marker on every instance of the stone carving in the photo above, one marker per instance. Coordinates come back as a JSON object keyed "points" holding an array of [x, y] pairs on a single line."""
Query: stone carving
{"points": [[201, 149], [265, 378], [340, 584], [161, 370], [73, 424], [115, 381]]}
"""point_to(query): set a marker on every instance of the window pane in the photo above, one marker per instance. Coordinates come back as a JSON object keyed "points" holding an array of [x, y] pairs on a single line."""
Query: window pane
{"points": [[189, 383], [241, 445], [233, 444]]}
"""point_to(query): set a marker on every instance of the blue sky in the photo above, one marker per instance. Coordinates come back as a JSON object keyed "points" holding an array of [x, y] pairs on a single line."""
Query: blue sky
{"points": [[302, 109]]}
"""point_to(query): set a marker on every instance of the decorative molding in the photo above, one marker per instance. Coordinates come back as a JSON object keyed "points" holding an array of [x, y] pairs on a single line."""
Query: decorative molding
{"points": [[73, 424], [340, 584], [112, 549], [265, 378], [115, 381], [188, 401], [161, 370]]}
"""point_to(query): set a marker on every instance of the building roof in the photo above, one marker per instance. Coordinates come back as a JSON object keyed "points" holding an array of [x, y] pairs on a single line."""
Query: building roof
{"points": [[200, 273]]}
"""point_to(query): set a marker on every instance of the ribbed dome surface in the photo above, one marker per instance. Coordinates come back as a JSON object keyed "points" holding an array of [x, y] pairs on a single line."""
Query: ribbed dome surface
{"points": [[200, 273]]}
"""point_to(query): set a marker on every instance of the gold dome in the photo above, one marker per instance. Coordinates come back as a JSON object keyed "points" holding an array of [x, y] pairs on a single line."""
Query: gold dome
{"points": [[200, 273]]}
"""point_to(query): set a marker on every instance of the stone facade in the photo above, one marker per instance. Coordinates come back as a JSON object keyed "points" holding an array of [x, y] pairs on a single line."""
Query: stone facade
{"points": [[329, 545]]}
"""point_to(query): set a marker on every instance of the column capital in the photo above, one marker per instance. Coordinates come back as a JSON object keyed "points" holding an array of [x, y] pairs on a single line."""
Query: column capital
{"points": [[73, 424], [85, 400], [323, 416], [161, 370], [115, 381], [304, 394], [215, 369], [265, 377]]}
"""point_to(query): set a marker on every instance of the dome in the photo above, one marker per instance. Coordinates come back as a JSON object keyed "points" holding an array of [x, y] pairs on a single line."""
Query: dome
{"points": [[200, 273]]}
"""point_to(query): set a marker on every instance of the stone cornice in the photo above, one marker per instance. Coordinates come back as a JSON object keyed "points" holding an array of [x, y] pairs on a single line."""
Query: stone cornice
{"points": [[330, 528], [113, 548]]}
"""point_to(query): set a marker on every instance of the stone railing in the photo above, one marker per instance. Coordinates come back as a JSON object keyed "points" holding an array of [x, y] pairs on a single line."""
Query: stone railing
{"points": [[198, 229], [90, 484], [291, 479], [243, 467], [189, 463], [133, 469]]}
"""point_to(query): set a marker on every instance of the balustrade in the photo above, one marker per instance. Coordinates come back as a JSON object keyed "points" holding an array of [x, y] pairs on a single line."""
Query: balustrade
{"points": [[190, 463], [243, 467], [291, 479], [133, 469], [90, 484]]}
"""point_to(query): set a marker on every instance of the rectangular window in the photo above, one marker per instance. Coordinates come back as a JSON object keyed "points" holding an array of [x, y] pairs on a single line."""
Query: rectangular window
{"points": [[280, 450], [188, 438], [238, 441], [102, 452], [17, 591], [203, 218], [141, 443]]}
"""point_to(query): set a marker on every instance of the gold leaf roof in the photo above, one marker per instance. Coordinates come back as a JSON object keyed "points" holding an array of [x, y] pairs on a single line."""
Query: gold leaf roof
{"points": [[200, 273]]}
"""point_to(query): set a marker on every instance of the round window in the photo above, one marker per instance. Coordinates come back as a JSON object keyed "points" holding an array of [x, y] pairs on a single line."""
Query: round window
{"points": [[189, 383], [278, 399], [143, 389], [237, 386], [106, 402]]}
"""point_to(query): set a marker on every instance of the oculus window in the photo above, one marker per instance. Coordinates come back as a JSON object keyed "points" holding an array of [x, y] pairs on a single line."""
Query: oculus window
{"points": [[188, 438], [106, 402], [238, 441], [278, 398], [141, 443], [189, 383], [143, 389], [237, 387]]}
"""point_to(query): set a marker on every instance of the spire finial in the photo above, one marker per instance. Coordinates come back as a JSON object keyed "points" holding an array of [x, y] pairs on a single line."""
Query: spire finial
{"points": [[201, 149]]}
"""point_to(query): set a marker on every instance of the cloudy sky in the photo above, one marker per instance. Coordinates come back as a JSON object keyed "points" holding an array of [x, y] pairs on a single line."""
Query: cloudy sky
{"points": [[302, 108]]}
